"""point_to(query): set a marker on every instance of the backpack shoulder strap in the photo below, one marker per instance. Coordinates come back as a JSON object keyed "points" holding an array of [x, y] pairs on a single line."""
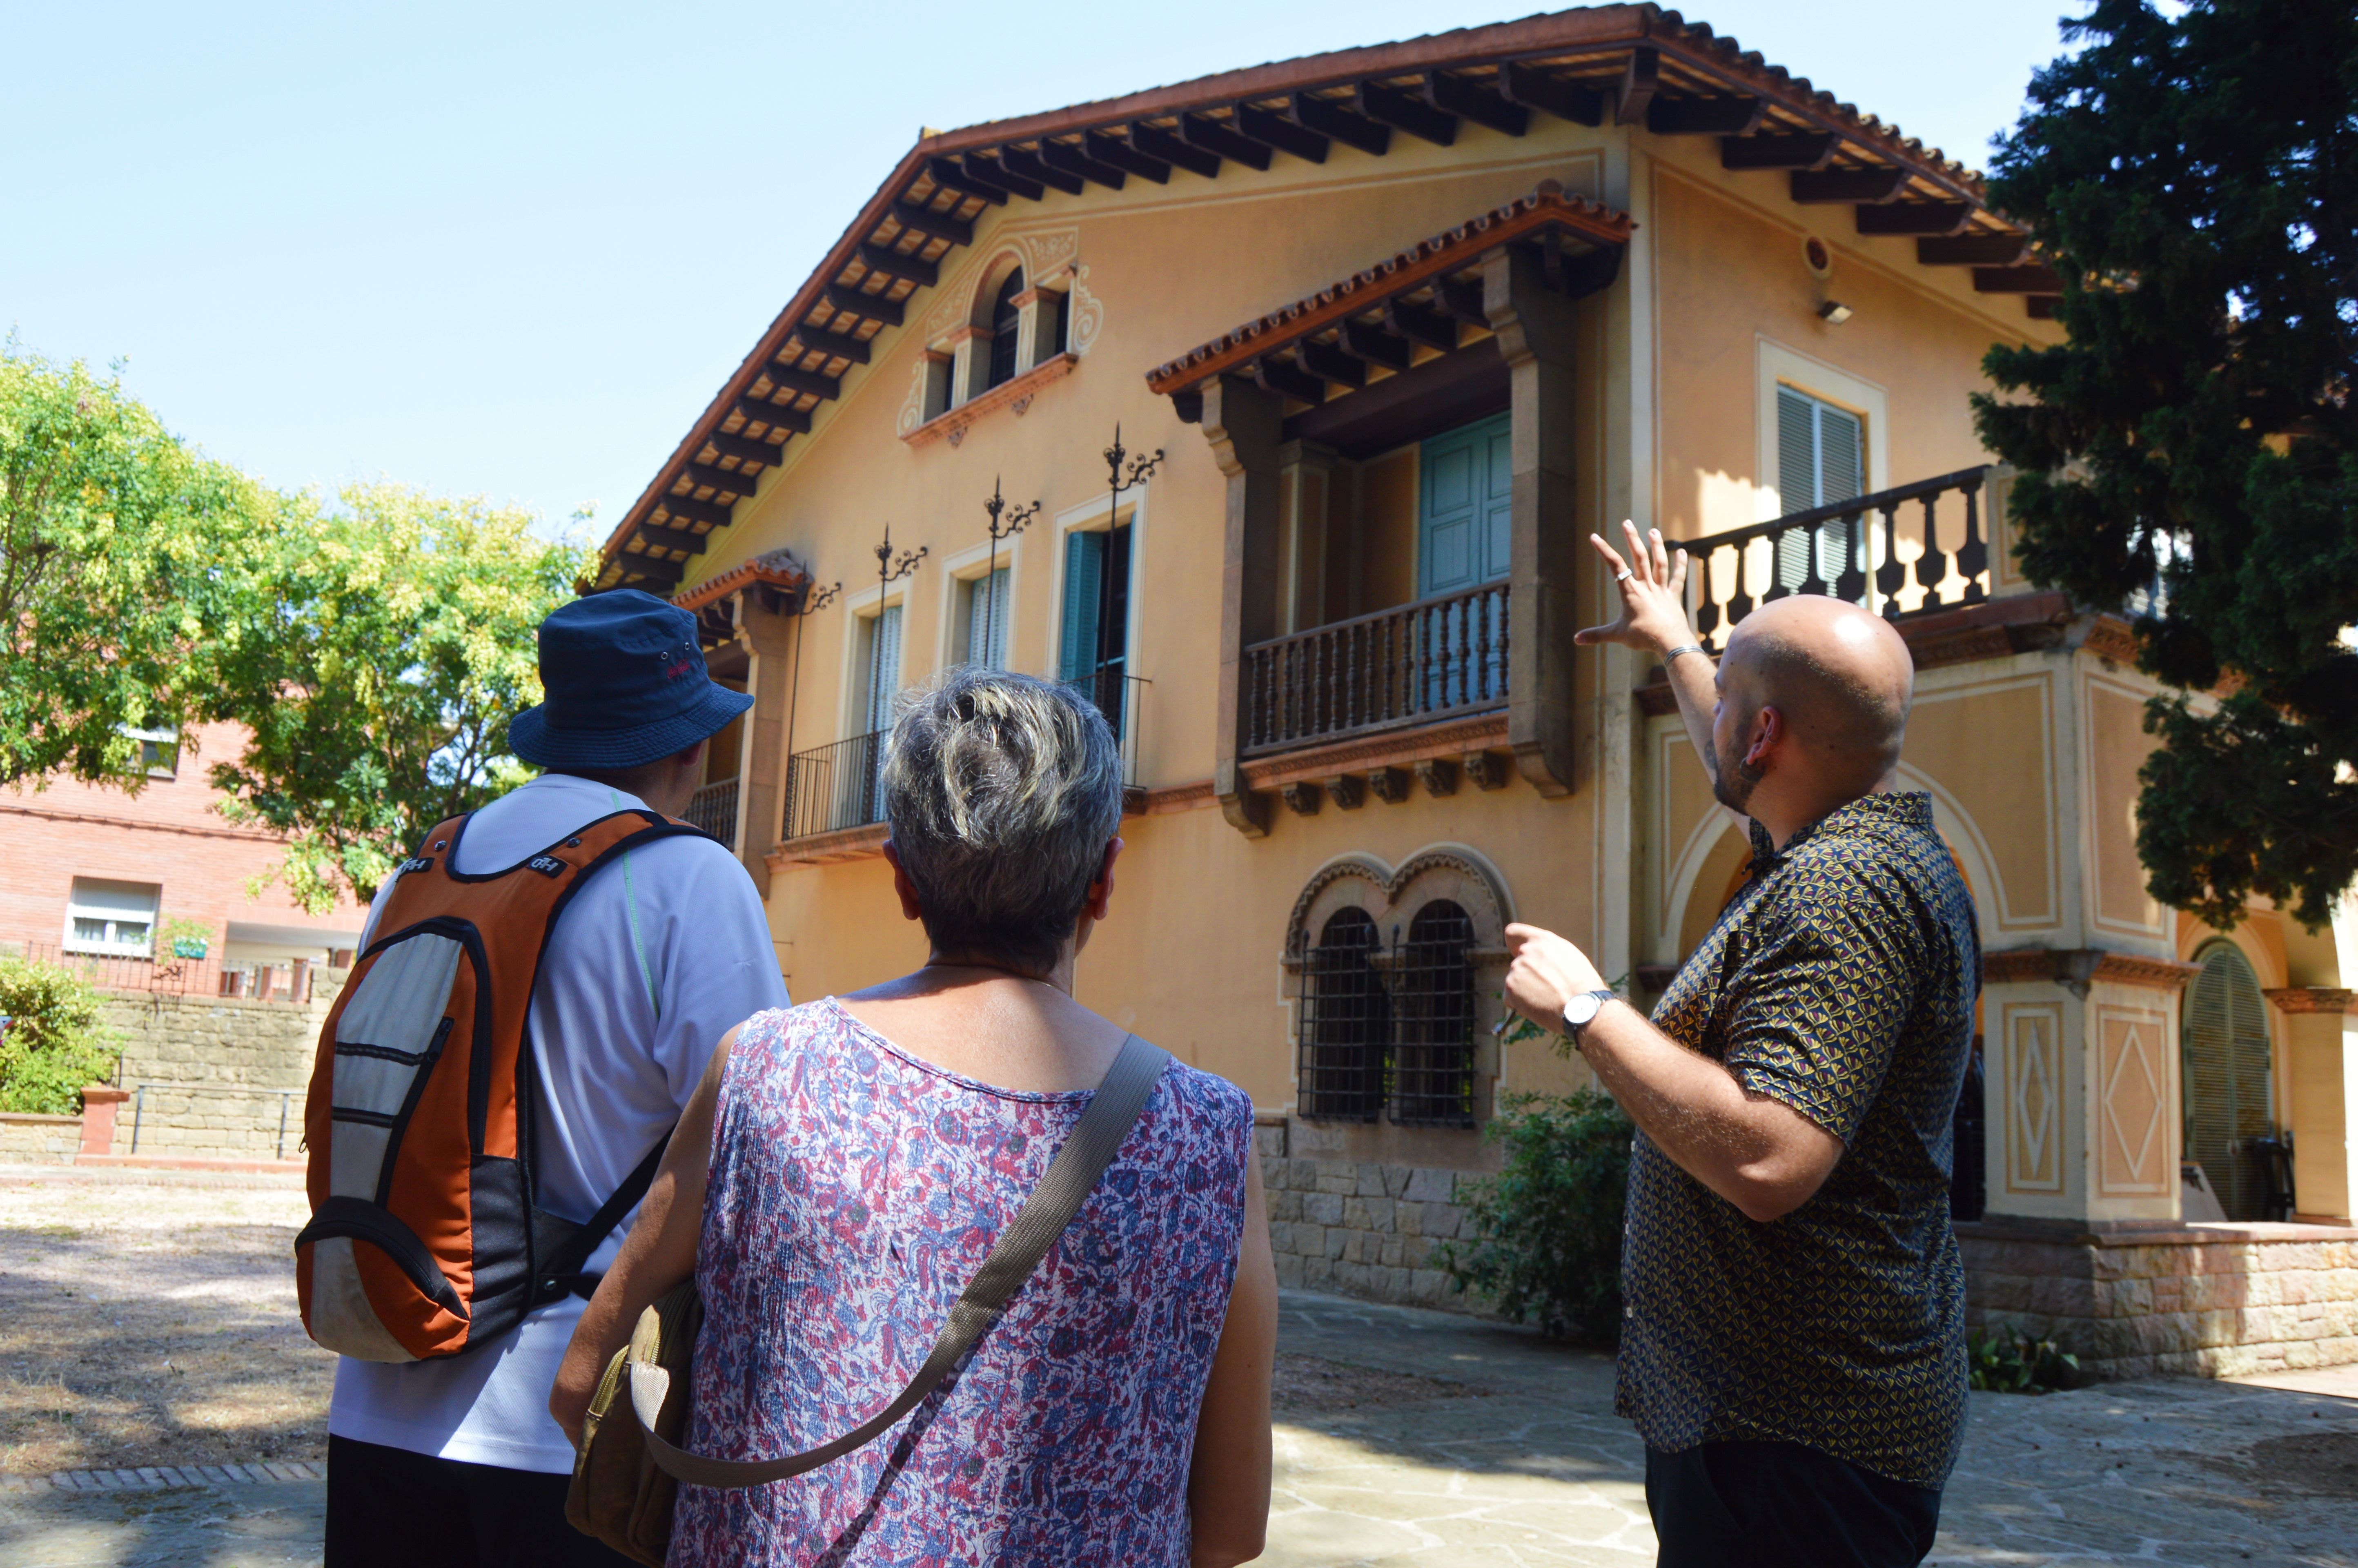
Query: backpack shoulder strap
{"points": [[1071, 1177]]}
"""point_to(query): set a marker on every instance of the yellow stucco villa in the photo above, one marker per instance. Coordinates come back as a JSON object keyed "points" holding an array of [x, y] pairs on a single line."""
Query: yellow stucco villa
{"points": [[1386, 333]]}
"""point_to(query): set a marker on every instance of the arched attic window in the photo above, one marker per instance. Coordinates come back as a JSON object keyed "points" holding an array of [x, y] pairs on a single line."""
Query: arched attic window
{"points": [[1006, 328]]}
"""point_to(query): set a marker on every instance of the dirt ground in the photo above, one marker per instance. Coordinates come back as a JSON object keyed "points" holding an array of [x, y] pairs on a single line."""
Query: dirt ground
{"points": [[153, 1324]]}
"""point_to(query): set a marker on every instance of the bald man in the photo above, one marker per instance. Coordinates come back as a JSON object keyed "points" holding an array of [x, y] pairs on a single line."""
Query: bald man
{"points": [[1792, 1344]]}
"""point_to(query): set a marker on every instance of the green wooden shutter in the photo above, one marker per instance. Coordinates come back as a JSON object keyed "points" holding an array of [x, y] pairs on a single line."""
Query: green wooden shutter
{"points": [[2226, 1078], [1076, 646]]}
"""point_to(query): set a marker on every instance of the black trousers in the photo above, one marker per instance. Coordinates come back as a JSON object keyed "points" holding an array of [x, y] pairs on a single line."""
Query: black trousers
{"points": [[1780, 1505], [388, 1508]]}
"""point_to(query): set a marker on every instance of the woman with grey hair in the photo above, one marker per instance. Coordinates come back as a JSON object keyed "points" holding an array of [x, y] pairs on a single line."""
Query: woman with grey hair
{"points": [[848, 1164]]}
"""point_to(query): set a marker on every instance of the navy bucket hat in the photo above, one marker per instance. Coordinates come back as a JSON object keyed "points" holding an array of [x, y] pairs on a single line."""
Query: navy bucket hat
{"points": [[625, 685]]}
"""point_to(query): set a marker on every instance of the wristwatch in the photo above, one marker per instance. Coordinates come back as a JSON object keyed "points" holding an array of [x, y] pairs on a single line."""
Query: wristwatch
{"points": [[1582, 1010]]}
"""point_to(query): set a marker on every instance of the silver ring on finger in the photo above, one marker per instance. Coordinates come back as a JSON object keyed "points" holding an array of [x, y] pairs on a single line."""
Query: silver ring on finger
{"points": [[1624, 575]]}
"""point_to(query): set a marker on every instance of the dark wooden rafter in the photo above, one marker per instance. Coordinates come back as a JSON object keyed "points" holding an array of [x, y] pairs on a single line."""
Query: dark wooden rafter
{"points": [[705, 475], [872, 307], [922, 219], [1824, 186], [667, 573], [1222, 140], [833, 345], [745, 449], [688, 508], [1422, 324], [1806, 149], [994, 171], [1330, 363], [1039, 170], [895, 264], [1416, 115], [1375, 345], [1330, 118], [1156, 143], [1469, 100], [777, 415], [1971, 250], [1122, 156], [1072, 160], [1640, 75], [953, 175], [1287, 379], [787, 378], [2042, 307], [655, 536], [1536, 89], [1915, 218], [1716, 116], [1461, 297], [1269, 126], [2033, 279]]}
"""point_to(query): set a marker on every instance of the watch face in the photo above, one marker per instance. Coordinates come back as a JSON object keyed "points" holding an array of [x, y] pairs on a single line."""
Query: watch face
{"points": [[1581, 1008]]}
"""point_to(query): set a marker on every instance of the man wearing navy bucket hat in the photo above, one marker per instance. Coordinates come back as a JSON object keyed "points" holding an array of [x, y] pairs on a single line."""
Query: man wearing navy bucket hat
{"points": [[660, 949]]}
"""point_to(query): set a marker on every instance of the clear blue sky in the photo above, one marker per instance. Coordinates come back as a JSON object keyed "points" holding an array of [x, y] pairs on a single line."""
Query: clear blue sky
{"points": [[512, 250]]}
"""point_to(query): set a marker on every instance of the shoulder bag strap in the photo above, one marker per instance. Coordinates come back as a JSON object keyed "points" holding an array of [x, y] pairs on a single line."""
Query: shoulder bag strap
{"points": [[1071, 1177]]}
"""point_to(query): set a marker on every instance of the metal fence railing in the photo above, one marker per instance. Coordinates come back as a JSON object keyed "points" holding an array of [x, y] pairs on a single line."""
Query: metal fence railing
{"points": [[714, 809], [171, 975]]}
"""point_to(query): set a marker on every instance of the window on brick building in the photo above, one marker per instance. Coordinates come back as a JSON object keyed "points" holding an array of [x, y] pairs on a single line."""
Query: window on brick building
{"points": [[117, 918]]}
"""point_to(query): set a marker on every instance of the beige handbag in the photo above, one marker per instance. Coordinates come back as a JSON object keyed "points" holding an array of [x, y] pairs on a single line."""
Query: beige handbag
{"points": [[627, 1473]]}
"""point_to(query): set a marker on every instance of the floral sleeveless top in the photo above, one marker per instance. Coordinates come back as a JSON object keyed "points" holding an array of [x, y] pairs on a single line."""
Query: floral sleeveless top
{"points": [[854, 1191]]}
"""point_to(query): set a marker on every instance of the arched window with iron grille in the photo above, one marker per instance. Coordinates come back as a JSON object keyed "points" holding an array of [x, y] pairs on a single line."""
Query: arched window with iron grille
{"points": [[1345, 1022], [1006, 328], [2228, 1107], [1433, 1034]]}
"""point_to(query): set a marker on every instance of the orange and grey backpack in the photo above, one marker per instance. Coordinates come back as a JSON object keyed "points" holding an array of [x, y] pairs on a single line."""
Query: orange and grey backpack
{"points": [[426, 1240]]}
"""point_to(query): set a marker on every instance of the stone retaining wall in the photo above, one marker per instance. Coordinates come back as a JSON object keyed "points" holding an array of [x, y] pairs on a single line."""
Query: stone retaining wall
{"points": [[213, 1069], [2137, 1300], [1363, 1230], [39, 1140]]}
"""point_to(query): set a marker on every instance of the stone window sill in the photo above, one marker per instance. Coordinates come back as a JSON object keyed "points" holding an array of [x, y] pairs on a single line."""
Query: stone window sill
{"points": [[1016, 394]]}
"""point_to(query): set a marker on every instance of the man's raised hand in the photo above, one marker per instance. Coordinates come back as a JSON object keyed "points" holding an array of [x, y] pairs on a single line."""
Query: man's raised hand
{"points": [[1653, 583]]}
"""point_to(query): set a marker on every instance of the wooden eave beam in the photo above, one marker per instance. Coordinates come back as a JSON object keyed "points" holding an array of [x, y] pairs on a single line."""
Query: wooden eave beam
{"points": [[2033, 279], [1277, 131], [1469, 100], [1807, 149], [809, 339], [993, 171], [1285, 379], [1223, 141], [1536, 89], [1122, 156], [1461, 299], [1073, 160], [1727, 115], [655, 536], [1038, 169], [690, 509], [721, 480], [1157, 143], [1377, 346], [745, 448], [1329, 118], [1971, 250], [1824, 186], [789, 379], [869, 306], [950, 174], [667, 573], [1390, 107], [935, 225], [1915, 218], [777, 417], [1418, 324], [1640, 75], [1329, 364], [2042, 307], [894, 264]]}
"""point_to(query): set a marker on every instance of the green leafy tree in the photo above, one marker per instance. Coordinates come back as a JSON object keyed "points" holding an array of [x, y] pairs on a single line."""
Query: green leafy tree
{"points": [[1544, 1234], [117, 552], [389, 640], [54, 1043], [2193, 177]]}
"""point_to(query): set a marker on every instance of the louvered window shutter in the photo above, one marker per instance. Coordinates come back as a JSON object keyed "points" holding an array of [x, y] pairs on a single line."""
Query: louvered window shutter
{"points": [[986, 632], [1796, 451], [2226, 1072], [887, 668], [1842, 465], [1084, 583]]}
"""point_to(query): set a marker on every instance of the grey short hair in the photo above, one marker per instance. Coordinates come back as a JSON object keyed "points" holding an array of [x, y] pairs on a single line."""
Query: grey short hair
{"points": [[1002, 791]]}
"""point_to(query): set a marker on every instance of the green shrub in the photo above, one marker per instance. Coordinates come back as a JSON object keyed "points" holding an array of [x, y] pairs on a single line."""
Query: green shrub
{"points": [[53, 1045], [1546, 1230], [2006, 1363]]}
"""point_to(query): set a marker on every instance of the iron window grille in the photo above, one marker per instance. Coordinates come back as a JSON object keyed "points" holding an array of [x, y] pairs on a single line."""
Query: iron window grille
{"points": [[1388, 1028]]}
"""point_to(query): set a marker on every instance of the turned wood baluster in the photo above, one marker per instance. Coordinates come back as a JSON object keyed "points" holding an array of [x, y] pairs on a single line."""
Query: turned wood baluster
{"points": [[1706, 607], [1973, 555], [1740, 603], [1482, 644], [1851, 586], [1933, 564], [1892, 572]]}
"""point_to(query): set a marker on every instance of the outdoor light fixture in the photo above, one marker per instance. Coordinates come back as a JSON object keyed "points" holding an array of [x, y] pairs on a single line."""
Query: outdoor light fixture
{"points": [[1834, 312]]}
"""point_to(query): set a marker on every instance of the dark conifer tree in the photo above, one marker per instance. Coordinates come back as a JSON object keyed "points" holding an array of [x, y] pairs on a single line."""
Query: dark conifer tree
{"points": [[2189, 456]]}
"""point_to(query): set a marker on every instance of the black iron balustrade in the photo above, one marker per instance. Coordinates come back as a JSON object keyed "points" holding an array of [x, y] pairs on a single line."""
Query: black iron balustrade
{"points": [[830, 788], [1432, 659], [714, 808], [1121, 699], [1858, 551]]}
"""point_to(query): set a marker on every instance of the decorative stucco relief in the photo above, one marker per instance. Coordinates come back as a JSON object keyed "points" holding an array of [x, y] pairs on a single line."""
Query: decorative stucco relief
{"points": [[2133, 1155], [912, 407], [2033, 1034], [1089, 314], [1041, 255]]}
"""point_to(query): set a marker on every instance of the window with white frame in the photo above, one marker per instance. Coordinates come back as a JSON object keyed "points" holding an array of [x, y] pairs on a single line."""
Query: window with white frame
{"points": [[880, 667], [159, 752], [982, 619], [117, 918], [1820, 460]]}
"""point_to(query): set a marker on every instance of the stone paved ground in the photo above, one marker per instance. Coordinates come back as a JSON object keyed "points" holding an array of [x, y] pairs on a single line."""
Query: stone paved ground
{"points": [[1477, 1445]]}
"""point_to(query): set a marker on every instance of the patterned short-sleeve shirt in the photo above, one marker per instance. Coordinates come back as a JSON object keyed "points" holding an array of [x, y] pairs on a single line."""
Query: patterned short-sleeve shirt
{"points": [[1840, 981]]}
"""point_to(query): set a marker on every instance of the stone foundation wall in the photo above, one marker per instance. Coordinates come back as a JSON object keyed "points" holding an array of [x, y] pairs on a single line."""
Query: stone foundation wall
{"points": [[1360, 1228], [2138, 1299], [39, 1140], [207, 1073]]}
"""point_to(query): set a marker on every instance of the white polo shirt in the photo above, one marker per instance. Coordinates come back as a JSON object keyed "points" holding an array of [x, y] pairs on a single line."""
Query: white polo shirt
{"points": [[660, 954]]}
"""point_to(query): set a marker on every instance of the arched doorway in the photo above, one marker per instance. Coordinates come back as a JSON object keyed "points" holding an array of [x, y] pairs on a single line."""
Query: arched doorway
{"points": [[2225, 1053]]}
